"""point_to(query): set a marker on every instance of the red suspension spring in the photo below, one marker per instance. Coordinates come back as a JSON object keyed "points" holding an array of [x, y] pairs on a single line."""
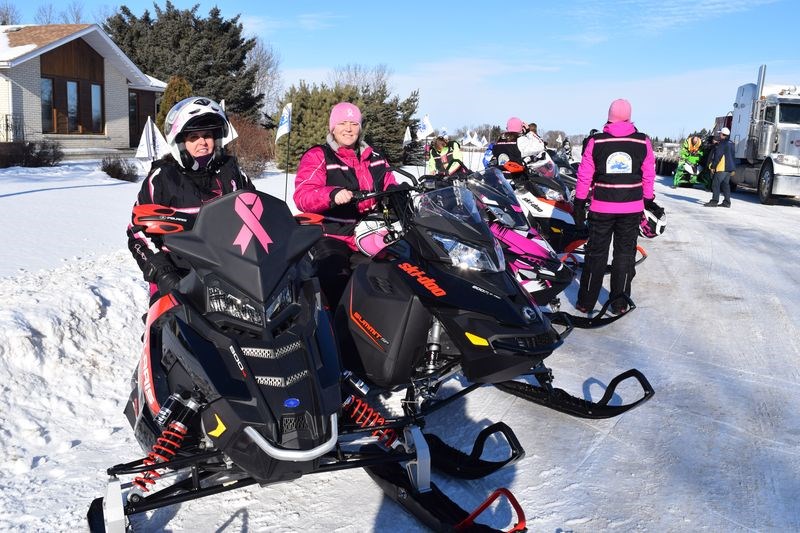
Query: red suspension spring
{"points": [[365, 416], [164, 449]]}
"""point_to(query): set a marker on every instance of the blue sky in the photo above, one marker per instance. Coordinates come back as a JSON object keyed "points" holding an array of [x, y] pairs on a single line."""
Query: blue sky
{"points": [[558, 64]]}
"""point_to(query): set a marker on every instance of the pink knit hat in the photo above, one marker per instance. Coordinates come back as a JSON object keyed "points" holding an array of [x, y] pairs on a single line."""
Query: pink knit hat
{"points": [[620, 111], [514, 125], [344, 112]]}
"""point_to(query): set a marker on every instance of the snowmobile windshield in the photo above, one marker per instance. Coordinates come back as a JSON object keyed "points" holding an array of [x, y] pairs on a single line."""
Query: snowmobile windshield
{"points": [[468, 242], [454, 203], [496, 195], [493, 177]]}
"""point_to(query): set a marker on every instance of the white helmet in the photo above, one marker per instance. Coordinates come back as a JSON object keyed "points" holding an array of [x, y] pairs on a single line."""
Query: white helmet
{"points": [[196, 113], [654, 221]]}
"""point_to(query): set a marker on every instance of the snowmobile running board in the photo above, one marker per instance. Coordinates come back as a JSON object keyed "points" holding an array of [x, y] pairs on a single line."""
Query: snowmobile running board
{"points": [[602, 318], [560, 400]]}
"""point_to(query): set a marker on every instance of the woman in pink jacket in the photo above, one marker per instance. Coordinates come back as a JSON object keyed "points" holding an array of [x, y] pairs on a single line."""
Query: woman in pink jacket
{"points": [[618, 167], [326, 178]]}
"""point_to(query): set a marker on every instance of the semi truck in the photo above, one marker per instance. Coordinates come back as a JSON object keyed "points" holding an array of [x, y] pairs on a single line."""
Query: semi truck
{"points": [[765, 129]]}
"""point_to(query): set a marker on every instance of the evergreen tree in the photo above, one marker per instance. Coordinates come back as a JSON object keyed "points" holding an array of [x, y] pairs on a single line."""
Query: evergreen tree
{"points": [[384, 118], [208, 52], [177, 89], [311, 107]]}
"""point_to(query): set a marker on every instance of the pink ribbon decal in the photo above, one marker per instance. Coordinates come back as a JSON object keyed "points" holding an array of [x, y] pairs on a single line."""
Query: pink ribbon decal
{"points": [[249, 208]]}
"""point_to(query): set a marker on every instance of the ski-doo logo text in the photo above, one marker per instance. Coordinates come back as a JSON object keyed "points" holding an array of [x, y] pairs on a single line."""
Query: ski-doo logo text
{"points": [[422, 279], [238, 361]]}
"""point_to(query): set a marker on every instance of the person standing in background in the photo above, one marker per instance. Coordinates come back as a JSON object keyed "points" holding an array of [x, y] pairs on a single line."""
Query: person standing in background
{"points": [[722, 165], [445, 157], [619, 169]]}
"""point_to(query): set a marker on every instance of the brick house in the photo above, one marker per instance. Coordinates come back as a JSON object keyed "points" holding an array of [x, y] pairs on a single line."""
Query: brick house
{"points": [[70, 83]]}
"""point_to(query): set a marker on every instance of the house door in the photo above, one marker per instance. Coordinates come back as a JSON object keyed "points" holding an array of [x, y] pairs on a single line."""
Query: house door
{"points": [[141, 104]]}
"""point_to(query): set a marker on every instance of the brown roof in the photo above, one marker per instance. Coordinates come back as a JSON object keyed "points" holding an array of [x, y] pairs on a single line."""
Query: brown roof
{"points": [[42, 35]]}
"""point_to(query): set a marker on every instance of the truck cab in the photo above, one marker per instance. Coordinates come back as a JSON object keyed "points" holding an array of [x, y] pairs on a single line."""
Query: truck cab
{"points": [[765, 130]]}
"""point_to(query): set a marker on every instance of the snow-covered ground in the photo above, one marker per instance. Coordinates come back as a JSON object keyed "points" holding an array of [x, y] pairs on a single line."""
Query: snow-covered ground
{"points": [[716, 331]]}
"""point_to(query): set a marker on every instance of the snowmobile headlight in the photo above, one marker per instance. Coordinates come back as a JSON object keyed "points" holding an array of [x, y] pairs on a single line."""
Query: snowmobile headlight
{"points": [[281, 301], [220, 301], [548, 193], [469, 257], [554, 195], [503, 217], [790, 160]]}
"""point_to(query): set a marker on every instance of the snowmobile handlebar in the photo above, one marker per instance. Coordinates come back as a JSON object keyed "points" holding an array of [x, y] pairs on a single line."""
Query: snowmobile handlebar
{"points": [[360, 195], [156, 219]]}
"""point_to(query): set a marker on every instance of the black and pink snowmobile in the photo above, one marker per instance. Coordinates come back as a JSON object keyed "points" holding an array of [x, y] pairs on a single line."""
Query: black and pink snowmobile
{"points": [[240, 382]]}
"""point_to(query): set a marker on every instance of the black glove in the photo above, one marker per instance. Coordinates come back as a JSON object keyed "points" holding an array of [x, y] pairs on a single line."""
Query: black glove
{"points": [[650, 204], [398, 187], [579, 212], [162, 272], [168, 281]]}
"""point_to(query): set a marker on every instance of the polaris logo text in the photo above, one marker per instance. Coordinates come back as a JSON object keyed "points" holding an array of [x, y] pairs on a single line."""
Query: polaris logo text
{"points": [[422, 279]]}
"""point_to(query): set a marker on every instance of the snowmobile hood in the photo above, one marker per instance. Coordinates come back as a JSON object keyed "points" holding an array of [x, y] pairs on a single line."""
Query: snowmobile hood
{"points": [[248, 237]]}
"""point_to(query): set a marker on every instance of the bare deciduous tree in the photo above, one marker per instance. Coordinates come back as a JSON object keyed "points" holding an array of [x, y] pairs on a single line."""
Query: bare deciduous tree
{"points": [[45, 14], [73, 14], [360, 76], [9, 14], [268, 79]]}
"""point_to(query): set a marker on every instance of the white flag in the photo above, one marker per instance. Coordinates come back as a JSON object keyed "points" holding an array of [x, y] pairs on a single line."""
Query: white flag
{"points": [[407, 136], [285, 124], [152, 144], [425, 128]]}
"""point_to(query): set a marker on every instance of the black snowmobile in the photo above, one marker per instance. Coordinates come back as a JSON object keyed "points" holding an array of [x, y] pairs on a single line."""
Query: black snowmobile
{"points": [[438, 300], [240, 383]]}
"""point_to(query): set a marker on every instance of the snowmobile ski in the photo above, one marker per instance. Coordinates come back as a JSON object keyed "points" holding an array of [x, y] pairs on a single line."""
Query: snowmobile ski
{"points": [[602, 318], [560, 400], [432, 507], [456, 463]]}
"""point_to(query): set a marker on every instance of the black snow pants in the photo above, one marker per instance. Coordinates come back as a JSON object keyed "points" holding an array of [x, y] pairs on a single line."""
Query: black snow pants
{"points": [[331, 258], [624, 230]]}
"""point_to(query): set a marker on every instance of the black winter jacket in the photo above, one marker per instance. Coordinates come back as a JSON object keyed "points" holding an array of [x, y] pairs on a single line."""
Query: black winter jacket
{"points": [[171, 185]]}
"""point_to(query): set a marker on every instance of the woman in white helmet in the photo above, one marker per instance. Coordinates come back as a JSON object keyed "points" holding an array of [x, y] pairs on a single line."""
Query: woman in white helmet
{"points": [[195, 172]]}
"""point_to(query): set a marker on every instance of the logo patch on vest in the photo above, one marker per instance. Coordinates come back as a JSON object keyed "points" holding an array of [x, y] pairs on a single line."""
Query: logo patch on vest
{"points": [[619, 163]]}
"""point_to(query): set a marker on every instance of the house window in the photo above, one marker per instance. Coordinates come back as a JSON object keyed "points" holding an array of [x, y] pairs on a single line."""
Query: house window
{"points": [[72, 107], [48, 124], [97, 108]]}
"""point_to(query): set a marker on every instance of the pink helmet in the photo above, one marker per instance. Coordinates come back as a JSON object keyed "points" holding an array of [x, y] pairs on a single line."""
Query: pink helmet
{"points": [[514, 125]]}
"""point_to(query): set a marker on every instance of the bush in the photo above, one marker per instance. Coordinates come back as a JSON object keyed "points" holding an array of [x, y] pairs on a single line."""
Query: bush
{"points": [[254, 147], [119, 168], [30, 154]]}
